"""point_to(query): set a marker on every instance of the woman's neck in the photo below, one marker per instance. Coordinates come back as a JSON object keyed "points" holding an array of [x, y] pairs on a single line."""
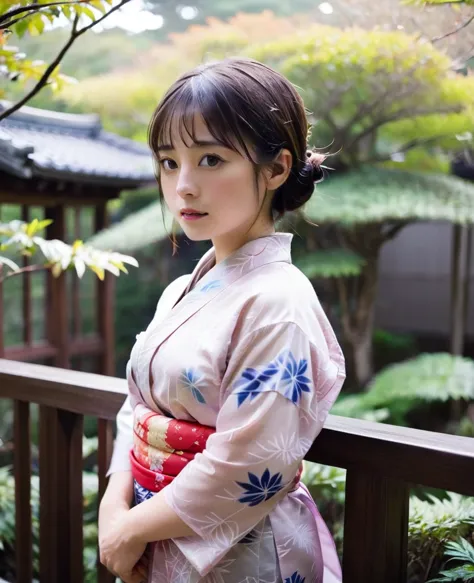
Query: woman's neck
{"points": [[228, 244]]}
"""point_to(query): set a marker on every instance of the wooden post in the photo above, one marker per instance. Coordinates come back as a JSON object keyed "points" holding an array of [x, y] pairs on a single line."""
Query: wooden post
{"points": [[61, 522], [375, 529], [105, 307], [106, 439], [27, 315], [57, 312], [22, 471]]}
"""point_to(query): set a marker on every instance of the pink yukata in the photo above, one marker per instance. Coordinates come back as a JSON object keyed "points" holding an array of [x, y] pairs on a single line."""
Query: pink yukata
{"points": [[243, 347]]}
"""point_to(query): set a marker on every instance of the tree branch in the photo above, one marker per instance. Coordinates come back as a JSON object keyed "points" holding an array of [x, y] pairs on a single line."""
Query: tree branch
{"points": [[393, 230], [32, 8], [408, 146], [400, 114], [455, 31], [45, 77], [29, 269], [12, 22]]}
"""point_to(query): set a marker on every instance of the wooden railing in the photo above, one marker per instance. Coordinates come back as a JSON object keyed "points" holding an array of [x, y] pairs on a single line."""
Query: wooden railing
{"points": [[382, 462]]}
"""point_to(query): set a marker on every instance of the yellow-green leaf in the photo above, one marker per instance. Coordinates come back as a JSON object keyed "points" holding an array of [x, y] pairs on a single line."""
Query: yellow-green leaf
{"points": [[98, 5], [43, 224], [67, 11], [89, 13], [32, 228]]}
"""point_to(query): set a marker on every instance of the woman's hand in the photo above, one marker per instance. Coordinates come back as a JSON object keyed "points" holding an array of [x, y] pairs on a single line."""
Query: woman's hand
{"points": [[121, 549]]}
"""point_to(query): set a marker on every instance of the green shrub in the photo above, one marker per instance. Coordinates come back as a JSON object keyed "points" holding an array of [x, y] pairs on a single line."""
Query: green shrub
{"points": [[433, 522]]}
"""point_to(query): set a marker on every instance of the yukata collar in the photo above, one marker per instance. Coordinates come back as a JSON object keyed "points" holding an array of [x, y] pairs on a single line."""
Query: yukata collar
{"points": [[253, 254], [256, 253]]}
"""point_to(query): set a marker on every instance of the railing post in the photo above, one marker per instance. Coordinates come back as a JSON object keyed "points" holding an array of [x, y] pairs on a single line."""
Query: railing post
{"points": [[22, 471], [61, 510], [375, 529], [106, 439]]}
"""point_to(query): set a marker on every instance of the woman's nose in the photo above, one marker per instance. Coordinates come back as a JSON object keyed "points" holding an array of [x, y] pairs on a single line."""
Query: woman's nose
{"points": [[186, 184]]}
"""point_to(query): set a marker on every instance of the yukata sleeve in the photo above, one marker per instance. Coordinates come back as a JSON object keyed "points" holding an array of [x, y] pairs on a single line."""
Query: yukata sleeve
{"points": [[277, 391], [120, 461]]}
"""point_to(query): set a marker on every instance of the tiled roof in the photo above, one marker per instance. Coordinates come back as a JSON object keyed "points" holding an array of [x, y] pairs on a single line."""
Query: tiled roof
{"points": [[36, 142]]}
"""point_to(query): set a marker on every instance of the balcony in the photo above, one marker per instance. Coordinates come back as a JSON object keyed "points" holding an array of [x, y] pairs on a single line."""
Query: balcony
{"points": [[382, 463]]}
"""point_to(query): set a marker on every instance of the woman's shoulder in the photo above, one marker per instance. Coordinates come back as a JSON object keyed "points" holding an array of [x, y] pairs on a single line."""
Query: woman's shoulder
{"points": [[282, 283], [279, 293]]}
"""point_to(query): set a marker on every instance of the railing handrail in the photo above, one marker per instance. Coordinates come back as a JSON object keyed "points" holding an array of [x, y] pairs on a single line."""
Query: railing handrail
{"points": [[412, 455], [79, 392]]}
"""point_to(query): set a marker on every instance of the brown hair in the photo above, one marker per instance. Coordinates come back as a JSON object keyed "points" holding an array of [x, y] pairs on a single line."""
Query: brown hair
{"points": [[244, 101]]}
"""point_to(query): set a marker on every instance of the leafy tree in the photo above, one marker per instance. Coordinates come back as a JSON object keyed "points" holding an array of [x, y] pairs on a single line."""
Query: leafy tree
{"points": [[377, 96], [17, 18], [387, 104]]}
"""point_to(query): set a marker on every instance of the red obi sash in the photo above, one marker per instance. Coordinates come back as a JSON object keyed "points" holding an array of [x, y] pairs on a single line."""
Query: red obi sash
{"points": [[162, 447]]}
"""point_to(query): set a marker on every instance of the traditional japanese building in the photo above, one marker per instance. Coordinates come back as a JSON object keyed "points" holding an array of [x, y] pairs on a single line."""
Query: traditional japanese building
{"points": [[63, 167]]}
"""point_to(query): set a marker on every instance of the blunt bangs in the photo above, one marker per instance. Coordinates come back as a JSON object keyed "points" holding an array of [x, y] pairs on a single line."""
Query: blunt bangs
{"points": [[220, 107]]}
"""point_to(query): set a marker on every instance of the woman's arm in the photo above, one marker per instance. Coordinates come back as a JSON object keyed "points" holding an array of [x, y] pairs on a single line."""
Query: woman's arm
{"points": [[155, 520], [119, 490]]}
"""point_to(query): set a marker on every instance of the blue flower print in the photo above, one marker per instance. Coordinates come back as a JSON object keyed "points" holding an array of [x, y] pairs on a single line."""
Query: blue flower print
{"points": [[295, 578], [190, 379], [214, 284], [293, 378], [141, 493], [250, 383], [260, 489]]}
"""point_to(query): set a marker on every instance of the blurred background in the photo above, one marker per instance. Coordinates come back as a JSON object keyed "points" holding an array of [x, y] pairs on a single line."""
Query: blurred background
{"points": [[389, 89]]}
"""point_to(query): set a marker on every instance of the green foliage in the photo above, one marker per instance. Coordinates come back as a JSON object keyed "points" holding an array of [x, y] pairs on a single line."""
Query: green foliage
{"points": [[58, 256], [20, 17], [399, 388], [330, 263], [326, 485], [390, 347], [459, 550], [93, 54], [7, 523], [136, 231], [375, 195], [359, 85], [432, 525], [432, 521]]}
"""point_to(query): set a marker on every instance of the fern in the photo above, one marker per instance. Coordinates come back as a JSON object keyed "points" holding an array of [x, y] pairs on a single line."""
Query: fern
{"points": [[401, 387], [460, 550], [331, 263]]}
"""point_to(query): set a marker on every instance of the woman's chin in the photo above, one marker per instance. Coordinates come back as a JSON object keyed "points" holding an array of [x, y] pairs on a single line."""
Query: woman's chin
{"points": [[195, 234]]}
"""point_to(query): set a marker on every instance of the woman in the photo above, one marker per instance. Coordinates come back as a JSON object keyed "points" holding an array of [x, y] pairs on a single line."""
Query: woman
{"points": [[233, 379]]}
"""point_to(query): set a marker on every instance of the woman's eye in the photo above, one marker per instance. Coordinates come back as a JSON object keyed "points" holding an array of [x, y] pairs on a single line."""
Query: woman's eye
{"points": [[211, 160], [167, 164]]}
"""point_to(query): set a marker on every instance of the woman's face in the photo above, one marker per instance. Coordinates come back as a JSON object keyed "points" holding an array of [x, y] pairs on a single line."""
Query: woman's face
{"points": [[209, 178]]}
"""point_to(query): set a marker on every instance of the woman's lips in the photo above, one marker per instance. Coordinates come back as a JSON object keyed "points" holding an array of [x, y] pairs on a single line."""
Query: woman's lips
{"points": [[193, 216]]}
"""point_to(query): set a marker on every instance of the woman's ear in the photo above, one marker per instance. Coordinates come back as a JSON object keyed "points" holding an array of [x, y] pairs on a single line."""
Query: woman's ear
{"points": [[279, 169]]}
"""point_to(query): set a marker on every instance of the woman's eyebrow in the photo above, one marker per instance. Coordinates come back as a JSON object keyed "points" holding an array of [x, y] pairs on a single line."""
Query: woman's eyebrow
{"points": [[196, 144]]}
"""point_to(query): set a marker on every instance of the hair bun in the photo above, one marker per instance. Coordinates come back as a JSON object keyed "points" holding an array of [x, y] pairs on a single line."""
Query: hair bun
{"points": [[315, 160], [298, 189]]}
